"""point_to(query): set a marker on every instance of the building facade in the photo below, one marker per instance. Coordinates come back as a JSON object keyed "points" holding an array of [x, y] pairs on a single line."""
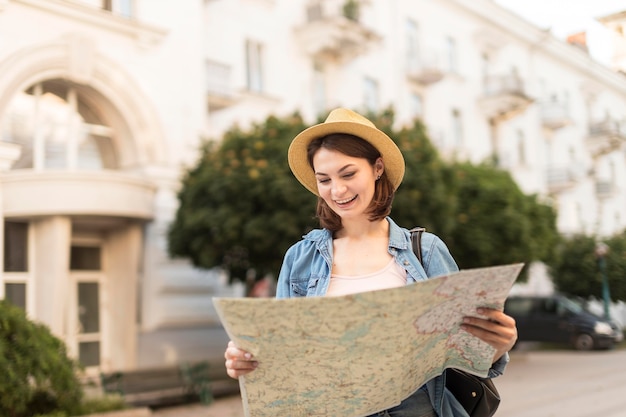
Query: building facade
{"points": [[103, 103]]}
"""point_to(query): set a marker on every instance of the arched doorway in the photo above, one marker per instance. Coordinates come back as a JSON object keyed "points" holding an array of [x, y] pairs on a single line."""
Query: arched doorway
{"points": [[76, 197]]}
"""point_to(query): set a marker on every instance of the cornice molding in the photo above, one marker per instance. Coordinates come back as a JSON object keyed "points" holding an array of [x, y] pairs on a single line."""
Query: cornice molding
{"points": [[144, 33], [542, 41]]}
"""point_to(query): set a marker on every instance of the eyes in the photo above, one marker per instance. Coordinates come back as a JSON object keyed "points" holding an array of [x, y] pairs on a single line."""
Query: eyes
{"points": [[346, 176]]}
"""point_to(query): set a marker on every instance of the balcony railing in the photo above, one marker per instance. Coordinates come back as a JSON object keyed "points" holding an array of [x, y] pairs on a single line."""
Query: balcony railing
{"points": [[504, 96], [561, 178], [554, 115], [425, 69], [335, 31], [604, 189], [606, 136], [220, 93]]}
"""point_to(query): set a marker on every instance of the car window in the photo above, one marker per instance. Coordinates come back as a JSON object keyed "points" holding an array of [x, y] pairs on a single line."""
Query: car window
{"points": [[518, 307], [567, 305]]}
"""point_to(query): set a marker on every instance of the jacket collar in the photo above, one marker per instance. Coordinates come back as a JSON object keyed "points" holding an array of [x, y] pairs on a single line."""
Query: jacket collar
{"points": [[397, 236]]}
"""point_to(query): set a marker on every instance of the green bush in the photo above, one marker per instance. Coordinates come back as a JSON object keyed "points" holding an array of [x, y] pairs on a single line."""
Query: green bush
{"points": [[37, 375], [91, 406], [55, 414], [100, 405]]}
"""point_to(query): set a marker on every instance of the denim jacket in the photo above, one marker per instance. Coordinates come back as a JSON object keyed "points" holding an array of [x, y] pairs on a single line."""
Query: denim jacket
{"points": [[306, 273]]}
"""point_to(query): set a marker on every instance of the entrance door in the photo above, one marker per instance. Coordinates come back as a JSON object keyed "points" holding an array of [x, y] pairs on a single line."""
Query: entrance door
{"points": [[86, 281]]}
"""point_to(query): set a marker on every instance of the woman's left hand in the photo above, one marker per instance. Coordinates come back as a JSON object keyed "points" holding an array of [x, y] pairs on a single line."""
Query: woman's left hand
{"points": [[495, 328]]}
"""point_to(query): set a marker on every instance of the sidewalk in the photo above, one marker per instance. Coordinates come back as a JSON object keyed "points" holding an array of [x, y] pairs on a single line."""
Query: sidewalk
{"points": [[222, 407]]}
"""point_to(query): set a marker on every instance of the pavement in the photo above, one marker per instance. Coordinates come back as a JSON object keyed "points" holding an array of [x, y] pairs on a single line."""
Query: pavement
{"points": [[551, 383], [230, 406]]}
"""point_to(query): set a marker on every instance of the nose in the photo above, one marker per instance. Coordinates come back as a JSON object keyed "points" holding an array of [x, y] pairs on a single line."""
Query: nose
{"points": [[338, 188]]}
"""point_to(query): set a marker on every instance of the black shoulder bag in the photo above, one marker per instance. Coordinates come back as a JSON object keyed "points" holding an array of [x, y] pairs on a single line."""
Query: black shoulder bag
{"points": [[478, 396]]}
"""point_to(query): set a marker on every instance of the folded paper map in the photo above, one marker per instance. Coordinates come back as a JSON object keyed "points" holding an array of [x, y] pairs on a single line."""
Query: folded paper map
{"points": [[355, 355]]}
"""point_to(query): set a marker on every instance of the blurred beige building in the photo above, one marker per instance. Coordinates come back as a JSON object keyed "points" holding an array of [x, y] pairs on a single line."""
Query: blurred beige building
{"points": [[104, 102]]}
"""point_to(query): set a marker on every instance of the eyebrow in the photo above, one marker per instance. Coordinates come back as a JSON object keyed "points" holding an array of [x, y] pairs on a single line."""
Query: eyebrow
{"points": [[340, 170]]}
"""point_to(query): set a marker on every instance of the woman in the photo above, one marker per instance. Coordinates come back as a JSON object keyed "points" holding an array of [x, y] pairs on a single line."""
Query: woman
{"points": [[355, 169]]}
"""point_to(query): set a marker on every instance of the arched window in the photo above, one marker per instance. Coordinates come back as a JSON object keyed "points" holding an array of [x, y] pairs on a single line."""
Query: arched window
{"points": [[57, 130]]}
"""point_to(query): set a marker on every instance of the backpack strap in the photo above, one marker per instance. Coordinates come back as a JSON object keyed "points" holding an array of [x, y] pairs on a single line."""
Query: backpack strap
{"points": [[416, 241]]}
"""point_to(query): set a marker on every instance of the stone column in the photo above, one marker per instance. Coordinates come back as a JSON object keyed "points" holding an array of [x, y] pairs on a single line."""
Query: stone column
{"points": [[51, 253], [119, 305]]}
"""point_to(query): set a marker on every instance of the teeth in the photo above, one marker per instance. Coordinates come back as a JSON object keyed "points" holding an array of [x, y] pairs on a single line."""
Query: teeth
{"points": [[347, 200]]}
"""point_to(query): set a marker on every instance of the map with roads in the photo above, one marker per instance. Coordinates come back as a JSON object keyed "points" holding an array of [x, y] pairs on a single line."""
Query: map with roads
{"points": [[358, 354]]}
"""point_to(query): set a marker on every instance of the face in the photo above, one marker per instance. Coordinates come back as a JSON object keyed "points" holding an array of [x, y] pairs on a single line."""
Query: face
{"points": [[344, 182]]}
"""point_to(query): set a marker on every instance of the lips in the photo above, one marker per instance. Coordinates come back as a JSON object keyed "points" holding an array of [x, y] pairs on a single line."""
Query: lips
{"points": [[346, 201]]}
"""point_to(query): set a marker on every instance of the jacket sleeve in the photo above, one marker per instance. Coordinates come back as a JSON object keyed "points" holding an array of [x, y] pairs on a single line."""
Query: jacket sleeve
{"points": [[436, 257], [283, 286], [439, 261]]}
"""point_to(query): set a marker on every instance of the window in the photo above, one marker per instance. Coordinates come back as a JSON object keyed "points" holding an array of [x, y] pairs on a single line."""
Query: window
{"points": [[124, 7], [612, 175], [16, 262], [566, 101], [85, 258], [578, 215], [57, 131], [120, 7], [452, 53], [86, 266], [89, 313], [457, 128], [15, 293], [521, 147], [15, 247], [254, 65], [319, 89], [412, 45], [416, 106], [371, 94], [485, 66]]}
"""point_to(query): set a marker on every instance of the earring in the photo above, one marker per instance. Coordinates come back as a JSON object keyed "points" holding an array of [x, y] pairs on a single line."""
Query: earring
{"points": [[377, 178]]}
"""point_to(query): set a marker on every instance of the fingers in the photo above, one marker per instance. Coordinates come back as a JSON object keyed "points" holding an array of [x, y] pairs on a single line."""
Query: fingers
{"points": [[495, 328], [238, 361]]}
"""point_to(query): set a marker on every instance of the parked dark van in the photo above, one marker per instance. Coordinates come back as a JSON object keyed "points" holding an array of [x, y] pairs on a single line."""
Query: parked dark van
{"points": [[559, 319]]}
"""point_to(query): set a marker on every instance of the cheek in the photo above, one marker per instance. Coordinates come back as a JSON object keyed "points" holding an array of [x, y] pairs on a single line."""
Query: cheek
{"points": [[323, 192]]}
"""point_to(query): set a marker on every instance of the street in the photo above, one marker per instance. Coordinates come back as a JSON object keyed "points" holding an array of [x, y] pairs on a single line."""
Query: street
{"points": [[559, 383], [564, 383]]}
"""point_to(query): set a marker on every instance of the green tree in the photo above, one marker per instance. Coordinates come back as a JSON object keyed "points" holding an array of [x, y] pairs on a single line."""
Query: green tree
{"points": [[240, 206], [37, 376], [424, 197], [496, 223], [576, 271]]}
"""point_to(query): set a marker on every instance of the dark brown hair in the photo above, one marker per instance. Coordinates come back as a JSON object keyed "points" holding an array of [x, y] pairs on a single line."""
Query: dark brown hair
{"points": [[355, 147]]}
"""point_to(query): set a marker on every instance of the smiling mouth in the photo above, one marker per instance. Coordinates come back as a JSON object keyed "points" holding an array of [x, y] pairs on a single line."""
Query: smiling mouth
{"points": [[346, 201]]}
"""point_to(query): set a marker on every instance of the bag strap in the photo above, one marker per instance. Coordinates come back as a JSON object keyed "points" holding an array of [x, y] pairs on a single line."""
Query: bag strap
{"points": [[416, 241]]}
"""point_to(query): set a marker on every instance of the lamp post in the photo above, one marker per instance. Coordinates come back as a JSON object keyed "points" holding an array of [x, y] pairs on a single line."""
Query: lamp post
{"points": [[602, 249]]}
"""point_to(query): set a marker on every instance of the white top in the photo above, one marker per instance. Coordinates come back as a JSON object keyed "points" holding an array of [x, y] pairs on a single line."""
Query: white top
{"points": [[391, 276]]}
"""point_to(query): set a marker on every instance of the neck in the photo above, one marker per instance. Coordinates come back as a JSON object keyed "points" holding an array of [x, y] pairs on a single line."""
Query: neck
{"points": [[363, 229]]}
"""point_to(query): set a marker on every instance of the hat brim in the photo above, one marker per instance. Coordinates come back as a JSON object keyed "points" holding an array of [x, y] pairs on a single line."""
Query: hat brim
{"points": [[390, 153]]}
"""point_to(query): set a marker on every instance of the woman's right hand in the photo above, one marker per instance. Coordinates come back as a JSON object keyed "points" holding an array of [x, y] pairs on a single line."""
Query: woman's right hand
{"points": [[238, 362]]}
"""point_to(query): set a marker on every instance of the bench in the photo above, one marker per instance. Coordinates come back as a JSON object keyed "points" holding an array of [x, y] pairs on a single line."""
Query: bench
{"points": [[161, 386]]}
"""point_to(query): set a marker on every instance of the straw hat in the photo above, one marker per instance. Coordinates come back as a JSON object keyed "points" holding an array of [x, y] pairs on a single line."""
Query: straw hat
{"points": [[344, 121]]}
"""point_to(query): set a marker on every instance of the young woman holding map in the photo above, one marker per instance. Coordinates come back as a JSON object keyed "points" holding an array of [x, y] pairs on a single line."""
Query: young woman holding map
{"points": [[355, 169]]}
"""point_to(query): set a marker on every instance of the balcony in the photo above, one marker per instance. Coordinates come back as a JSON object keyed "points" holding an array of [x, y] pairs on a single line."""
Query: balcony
{"points": [[504, 97], [87, 193], [220, 94], [606, 136], [425, 69], [604, 189], [554, 115], [562, 178], [334, 32], [9, 153]]}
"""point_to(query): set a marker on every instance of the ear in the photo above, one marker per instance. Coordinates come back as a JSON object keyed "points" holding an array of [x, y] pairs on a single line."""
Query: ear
{"points": [[379, 167]]}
